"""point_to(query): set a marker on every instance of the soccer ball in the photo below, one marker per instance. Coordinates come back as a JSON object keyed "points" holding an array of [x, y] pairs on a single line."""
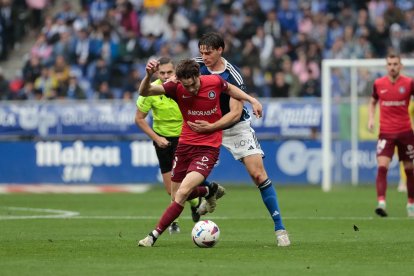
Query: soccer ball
{"points": [[205, 233]]}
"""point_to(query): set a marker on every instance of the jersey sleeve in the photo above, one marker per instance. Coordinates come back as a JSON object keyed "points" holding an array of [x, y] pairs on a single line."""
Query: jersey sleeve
{"points": [[144, 104], [236, 77], [224, 86], [170, 88]]}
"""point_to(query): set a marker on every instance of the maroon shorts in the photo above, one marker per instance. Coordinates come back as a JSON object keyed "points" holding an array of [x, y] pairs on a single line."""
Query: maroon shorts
{"points": [[189, 158], [403, 141]]}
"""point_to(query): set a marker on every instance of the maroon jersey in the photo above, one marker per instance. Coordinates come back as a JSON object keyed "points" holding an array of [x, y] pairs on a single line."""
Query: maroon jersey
{"points": [[394, 99], [203, 106]]}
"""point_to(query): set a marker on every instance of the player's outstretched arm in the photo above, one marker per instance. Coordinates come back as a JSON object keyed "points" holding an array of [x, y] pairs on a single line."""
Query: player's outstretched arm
{"points": [[239, 94], [146, 88]]}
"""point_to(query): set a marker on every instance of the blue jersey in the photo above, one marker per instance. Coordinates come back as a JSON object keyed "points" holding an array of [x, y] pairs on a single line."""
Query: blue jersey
{"points": [[232, 75]]}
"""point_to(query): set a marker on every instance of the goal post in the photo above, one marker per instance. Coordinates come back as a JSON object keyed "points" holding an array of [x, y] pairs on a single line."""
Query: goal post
{"points": [[327, 100]]}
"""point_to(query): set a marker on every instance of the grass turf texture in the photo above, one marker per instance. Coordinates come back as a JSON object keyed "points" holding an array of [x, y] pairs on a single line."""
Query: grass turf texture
{"points": [[101, 240]]}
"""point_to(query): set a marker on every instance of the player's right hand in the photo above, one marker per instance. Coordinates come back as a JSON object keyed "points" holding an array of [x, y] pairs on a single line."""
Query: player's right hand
{"points": [[152, 66], [370, 126], [162, 142]]}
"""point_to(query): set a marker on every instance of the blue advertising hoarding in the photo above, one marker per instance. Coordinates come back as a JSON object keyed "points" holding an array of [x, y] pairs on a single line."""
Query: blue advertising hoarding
{"points": [[119, 162], [58, 120]]}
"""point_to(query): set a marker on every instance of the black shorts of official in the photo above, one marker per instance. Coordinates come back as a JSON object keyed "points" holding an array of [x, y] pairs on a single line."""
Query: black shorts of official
{"points": [[166, 155]]}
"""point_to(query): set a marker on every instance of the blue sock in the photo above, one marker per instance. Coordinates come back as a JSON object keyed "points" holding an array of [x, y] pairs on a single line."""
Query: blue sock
{"points": [[206, 183], [269, 198]]}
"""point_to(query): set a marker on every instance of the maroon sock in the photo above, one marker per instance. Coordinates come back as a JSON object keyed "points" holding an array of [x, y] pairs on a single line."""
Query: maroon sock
{"points": [[410, 185], [198, 191], [170, 214], [381, 182]]}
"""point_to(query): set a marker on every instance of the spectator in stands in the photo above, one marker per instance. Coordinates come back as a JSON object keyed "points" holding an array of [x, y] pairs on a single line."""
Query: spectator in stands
{"points": [[362, 25], [180, 51], [47, 84], [363, 48], [393, 14], [320, 29], [311, 88], [129, 18], [250, 54], [102, 73], [131, 86], [271, 26], [339, 50], [376, 9], [98, 10], [288, 18], [153, 23], [60, 72], [4, 86], [335, 31], [304, 68], [305, 24], [233, 48], [107, 48], [82, 21], [291, 78], [42, 50], [279, 88], [379, 38], [247, 73], [265, 44], [32, 69], [15, 84], [80, 50], [7, 18], [149, 46], [394, 42], [279, 54], [73, 90], [347, 16], [104, 91], [62, 46], [176, 19], [67, 14], [129, 49], [248, 29], [196, 12], [26, 93], [253, 9]]}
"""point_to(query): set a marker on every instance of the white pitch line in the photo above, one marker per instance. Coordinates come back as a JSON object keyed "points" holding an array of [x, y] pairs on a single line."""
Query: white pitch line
{"points": [[56, 214], [75, 215], [237, 218], [65, 214]]}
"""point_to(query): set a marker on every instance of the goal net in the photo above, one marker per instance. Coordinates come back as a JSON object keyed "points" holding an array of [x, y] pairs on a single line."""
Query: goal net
{"points": [[346, 88]]}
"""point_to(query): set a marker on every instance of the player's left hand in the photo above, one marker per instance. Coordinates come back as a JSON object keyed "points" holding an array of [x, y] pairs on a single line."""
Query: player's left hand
{"points": [[257, 108], [200, 126]]}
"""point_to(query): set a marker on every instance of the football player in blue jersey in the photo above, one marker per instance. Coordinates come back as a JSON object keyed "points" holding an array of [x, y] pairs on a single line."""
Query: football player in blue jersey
{"points": [[237, 128]]}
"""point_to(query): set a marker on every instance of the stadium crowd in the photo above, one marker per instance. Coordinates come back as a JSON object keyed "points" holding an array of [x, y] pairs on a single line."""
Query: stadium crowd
{"points": [[100, 50]]}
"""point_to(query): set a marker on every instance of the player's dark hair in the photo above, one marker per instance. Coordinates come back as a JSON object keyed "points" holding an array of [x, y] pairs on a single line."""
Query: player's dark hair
{"points": [[393, 55], [187, 69], [211, 39], [165, 60]]}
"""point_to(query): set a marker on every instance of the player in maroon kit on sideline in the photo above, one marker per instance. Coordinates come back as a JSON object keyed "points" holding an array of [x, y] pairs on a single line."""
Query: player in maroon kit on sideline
{"points": [[198, 98], [393, 93]]}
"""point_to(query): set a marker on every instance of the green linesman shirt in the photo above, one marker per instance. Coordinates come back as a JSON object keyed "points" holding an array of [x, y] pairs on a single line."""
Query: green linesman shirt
{"points": [[167, 118]]}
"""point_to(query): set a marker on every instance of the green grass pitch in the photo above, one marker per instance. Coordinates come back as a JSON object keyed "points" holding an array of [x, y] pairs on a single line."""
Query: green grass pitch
{"points": [[97, 235]]}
